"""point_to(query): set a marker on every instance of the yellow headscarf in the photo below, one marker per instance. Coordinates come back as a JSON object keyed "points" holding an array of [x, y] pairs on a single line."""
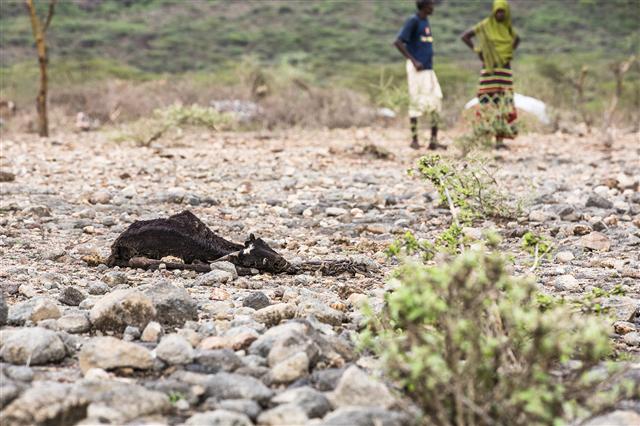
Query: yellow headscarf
{"points": [[496, 38]]}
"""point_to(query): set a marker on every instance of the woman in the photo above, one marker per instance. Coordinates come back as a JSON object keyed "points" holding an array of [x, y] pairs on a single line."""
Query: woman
{"points": [[496, 43]]}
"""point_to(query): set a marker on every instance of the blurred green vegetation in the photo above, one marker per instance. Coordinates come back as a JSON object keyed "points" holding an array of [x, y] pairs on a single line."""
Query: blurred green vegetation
{"points": [[177, 36], [328, 44]]}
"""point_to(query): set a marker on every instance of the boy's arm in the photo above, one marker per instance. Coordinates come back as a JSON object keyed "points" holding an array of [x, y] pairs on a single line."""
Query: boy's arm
{"points": [[399, 44]]}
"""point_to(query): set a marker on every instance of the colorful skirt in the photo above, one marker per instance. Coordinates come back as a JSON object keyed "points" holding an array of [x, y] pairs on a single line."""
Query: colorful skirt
{"points": [[495, 90]]}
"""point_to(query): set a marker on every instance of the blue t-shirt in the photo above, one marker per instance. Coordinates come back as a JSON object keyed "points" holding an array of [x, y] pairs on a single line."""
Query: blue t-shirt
{"points": [[416, 35]]}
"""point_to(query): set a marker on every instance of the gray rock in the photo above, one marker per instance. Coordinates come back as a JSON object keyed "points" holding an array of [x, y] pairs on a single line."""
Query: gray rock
{"points": [[117, 310], [225, 266], [235, 386], [566, 283], [289, 369], [175, 349], [152, 332], [114, 278], [312, 402], [273, 314], [256, 300], [615, 418], [219, 418], [598, 201], [8, 391], [131, 333], [247, 407], [632, 339], [34, 310], [213, 278], [45, 403], [174, 306], [19, 373], [321, 311], [33, 346], [4, 310], [365, 416], [100, 197], [335, 211], [326, 380], [286, 414], [98, 288], [357, 388], [71, 296], [108, 353], [74, 323], [564, 257], [117, 402], [219, 360]]}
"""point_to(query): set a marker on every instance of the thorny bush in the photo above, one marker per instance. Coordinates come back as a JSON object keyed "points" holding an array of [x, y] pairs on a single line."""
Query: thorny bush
{"points": [[469, 187], [470, 345]]}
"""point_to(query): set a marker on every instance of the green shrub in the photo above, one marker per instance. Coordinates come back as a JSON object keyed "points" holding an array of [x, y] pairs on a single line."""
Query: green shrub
{"points": [[469, 186], [470, 345]]}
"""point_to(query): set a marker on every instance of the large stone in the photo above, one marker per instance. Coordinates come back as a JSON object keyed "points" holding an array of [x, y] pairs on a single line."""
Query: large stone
{"points": [[236, 386], [175, 349], [33, 346], [365, 416], [257, 300], [290, 369], [219, 418], [566, 283], [152, 332], [174, 306], [286, 414], [245, 406], [108, 353], [321, 311], [71, 296], [215, 361], [312, 402], [74, 323], [4, 310], [615, 418], [273, 314], [596, 241], [213, 278], [34, 310], [598, 201], [117, 310], [236, 342], [47, 403], [115, 402], [357, 388]]}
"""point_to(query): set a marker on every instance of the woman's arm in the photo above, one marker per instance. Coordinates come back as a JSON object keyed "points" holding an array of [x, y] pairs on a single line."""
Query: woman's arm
{"points": [[516, 42], [466, 37]]}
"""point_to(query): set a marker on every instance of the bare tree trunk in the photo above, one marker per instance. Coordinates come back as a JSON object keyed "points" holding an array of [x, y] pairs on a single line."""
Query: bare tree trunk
{"points": [[578, 84], [39, 34], [619, 70]]}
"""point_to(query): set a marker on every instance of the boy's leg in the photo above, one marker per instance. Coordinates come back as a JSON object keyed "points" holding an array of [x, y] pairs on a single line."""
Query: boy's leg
{"points": [[433, 143], [414, 133]]}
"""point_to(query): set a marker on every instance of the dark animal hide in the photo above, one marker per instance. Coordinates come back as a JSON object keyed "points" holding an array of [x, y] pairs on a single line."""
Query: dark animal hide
{"points": [[184, 236]]}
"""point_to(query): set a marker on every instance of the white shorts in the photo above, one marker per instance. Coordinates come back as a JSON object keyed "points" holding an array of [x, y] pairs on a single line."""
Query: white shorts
{"points": [[425, 94]]}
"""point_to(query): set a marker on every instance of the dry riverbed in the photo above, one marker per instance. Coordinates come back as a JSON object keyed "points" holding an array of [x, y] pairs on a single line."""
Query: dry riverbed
{"points": [[86, 344]]}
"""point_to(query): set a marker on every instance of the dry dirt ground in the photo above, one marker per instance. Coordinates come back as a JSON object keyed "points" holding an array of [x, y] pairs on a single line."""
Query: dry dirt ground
{"points": [[309, 194]]}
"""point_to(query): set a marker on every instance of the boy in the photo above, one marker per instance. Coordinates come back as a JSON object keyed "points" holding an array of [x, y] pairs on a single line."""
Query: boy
{"points": [[415, 42]]}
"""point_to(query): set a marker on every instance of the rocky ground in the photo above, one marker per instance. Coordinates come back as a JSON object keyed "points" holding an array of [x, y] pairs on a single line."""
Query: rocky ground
{"points": [[84, 344]]}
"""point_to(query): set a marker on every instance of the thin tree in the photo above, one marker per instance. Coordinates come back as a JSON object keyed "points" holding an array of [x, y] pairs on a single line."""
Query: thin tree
{"points": [[39, 29]]}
